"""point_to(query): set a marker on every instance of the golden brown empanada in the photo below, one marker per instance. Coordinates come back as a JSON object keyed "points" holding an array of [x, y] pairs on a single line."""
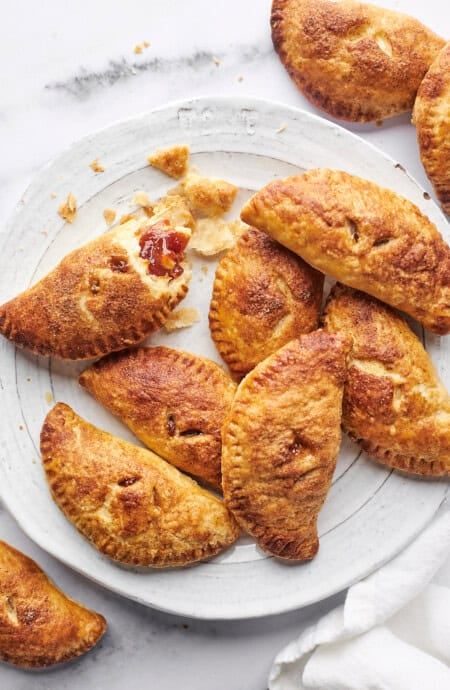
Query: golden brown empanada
{"points": [[280, 443], [39, 624], [394, 406], [263, 297], [363, 235], [432, 119], [355, 61], [132, 505], [174, 401], [110, 293]]}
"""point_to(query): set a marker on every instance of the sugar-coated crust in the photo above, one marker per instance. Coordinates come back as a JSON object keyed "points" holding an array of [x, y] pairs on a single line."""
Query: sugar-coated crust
{"points": [[281, 441], [394, 406], [88, 306], [263, 297], [355, 61], [432, 119], [174, 401], [363, 235], [132, 505], [39, 625]]}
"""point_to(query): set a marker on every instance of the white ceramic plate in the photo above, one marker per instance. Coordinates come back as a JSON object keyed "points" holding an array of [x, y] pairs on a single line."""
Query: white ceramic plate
{"points": [[370, 514]]}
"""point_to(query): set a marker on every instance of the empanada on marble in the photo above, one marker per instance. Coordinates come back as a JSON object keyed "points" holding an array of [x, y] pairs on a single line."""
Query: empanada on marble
{"points": [[281, 441], [355, 61], [263, 297], [363, 235], [133, 506], [174, 401], [394, 406], [40, 625], [431, 116], [108, 294]]}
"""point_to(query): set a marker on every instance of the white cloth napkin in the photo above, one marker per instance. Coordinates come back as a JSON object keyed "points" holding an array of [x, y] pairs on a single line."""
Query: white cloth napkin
{"points": [[392, 632]]}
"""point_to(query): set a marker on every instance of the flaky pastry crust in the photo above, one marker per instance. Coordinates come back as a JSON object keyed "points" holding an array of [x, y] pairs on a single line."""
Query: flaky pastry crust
{"points": [[172, 161], [133, 506], [355, 61], [40, 625], [395, 406], [100, 298], [363, 235], [431, 116], [174, 401], [263, 297], [281, 441]]}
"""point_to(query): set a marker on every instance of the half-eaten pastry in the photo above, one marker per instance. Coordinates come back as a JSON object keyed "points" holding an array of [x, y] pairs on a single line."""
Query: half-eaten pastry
{"points": [[395, 406], [132, 506], [281, 441], [40, 625]]}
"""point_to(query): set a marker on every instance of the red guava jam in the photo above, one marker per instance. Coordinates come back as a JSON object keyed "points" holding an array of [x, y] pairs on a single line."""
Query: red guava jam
{"points": [[163, 248]]}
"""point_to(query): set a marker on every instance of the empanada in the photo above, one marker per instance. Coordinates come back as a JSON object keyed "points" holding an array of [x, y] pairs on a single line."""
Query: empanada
{"points": [[355, 61], [431, 116], [174, 401], [263, 297], [363, 235], [280, 443], [132, 505], [108, 294], [39, 624], [394, 406]]}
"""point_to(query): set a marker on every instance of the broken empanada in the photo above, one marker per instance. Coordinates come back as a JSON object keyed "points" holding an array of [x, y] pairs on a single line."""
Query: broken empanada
{"points": [[109, 293], [281, 441], [363, 235], [355, 61], [132, 505], [40, 625], [394, 406], [432, 119], [174, 401], [263, 297]]}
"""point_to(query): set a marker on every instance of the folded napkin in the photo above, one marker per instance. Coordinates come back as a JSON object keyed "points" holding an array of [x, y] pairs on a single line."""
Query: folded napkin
{"points": [[392, 632]]}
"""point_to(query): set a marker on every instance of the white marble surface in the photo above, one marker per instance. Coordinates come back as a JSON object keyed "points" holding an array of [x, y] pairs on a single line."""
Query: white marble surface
{"points": [[69, 68]]}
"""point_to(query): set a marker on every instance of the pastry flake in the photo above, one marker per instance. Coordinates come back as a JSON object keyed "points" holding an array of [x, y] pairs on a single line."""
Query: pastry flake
{"points": [[394, 406], [363, 235], [181, 318], [173, 161], [281, 441], [432, 119], [109, 293], [39, 625], [207, 196], [263, 297], [68, 209], [355, 61], [129, 503], [174, 401], [212, 236]]}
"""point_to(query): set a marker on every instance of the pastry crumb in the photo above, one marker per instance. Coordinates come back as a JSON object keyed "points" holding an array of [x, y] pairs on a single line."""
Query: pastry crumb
{"points": [[48, 397], [240, 78], [125, 218], [96, 167], [28, 378], [181, 318], [208, 196], [146, 44], [138, 49], [109, 215], [68, 209], [141, 199], [43, 232], [216, 60], [281, 128], [211, 236], [172, 161], [21, 427], [53, 195]]}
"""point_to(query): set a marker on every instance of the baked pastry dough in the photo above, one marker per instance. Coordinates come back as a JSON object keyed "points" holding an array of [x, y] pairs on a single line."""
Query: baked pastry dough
{"points": [[363, 235], [39, 624], [395, 406], [263, 297], [281, 441], [172, 161], [174, 401], [109, 293], [132, 505], [355, 61], [431, 116]]}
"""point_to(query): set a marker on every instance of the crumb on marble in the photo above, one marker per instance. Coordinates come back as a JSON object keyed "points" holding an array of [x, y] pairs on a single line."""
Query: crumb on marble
{"points": [[68, 209], [28, 378], [181, 318], [96, 167], [53, 195], [138, 49], [240, 78], [216, 60], [146, 44], [43, 232], [21, 427], [48, 397], [281, 128], [109, 215], [172, 161]]}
